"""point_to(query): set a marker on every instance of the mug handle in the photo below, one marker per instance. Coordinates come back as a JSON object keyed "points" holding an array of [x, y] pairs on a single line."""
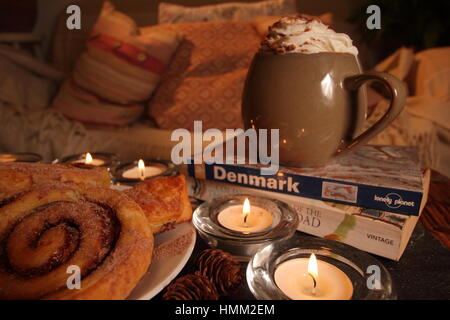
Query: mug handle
{"points": [[398, 97]]}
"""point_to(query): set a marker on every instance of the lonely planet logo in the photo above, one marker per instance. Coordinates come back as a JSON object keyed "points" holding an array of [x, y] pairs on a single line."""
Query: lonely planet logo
{"points": [[393, 200]]}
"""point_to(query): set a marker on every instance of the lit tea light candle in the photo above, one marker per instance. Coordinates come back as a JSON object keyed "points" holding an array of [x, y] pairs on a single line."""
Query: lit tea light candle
{"points": [[312, 279], [89, 160], [245, 218], [141, 167], [143, 171]]}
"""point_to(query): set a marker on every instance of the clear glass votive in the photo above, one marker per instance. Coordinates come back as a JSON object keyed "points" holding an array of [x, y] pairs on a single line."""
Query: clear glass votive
{"points": [[99, 159], [128, 173], [240, 243], [369, 279]]}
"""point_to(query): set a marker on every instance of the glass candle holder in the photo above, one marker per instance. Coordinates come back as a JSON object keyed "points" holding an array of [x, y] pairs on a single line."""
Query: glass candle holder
{"points": [[99, 159], [243, 243], [368, 278], [20, 157], [127, 173]]}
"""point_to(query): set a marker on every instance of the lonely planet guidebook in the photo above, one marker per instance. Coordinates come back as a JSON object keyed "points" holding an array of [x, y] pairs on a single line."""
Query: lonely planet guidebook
{"points": [[385, 178]]}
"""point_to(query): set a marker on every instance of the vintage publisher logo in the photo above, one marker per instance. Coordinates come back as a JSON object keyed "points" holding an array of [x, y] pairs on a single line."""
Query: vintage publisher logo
{"points": [[393, 200]]}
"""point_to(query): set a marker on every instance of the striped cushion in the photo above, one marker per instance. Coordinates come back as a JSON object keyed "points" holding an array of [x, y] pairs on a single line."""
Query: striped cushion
{"points": [[120, 66], [81, 105]]}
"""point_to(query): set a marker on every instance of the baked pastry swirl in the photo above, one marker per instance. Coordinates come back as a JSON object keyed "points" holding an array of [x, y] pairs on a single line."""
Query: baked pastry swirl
{"points": [[45, 231]]}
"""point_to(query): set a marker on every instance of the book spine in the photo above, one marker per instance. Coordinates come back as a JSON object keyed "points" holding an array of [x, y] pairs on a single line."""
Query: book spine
{"points": [[360, 195], [318, 219]]}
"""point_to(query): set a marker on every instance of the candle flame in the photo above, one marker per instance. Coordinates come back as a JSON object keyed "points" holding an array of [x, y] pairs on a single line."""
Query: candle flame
{"points": [[312, 266], [246, 209], [141, 166], [88, 159]]}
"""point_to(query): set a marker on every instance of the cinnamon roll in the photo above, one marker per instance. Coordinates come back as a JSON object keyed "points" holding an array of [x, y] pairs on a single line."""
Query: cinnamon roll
{"points": [[47, 234]]}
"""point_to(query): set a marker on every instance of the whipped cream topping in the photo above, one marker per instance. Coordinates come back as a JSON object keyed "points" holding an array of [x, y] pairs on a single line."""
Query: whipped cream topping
{"points": [[305, 35]]}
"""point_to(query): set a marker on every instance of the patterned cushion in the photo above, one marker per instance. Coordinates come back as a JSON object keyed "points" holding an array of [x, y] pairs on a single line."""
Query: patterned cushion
{"points": [[120, 66], [172, 13], [206, 76]]}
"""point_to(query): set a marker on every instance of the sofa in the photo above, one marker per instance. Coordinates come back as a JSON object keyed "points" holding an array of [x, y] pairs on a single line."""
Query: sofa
{"points": [[29, 85], [34, 127]]}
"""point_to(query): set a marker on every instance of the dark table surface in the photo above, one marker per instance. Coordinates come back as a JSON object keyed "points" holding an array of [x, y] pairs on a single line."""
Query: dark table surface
{"points": [[423, 272]]}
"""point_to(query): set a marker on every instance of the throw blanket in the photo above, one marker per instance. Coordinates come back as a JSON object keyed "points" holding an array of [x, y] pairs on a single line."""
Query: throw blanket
{"points": [[425, 122]]}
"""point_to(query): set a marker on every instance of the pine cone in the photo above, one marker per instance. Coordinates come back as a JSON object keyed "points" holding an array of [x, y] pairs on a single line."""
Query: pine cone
{"points": [[191, 287], [222, 269]]}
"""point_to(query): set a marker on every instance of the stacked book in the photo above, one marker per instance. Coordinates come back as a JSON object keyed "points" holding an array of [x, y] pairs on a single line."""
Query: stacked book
{"points": [[370, 199]]}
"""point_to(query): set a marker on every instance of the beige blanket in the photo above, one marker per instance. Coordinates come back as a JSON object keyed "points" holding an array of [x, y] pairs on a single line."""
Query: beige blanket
{"points": [[425, 122]]}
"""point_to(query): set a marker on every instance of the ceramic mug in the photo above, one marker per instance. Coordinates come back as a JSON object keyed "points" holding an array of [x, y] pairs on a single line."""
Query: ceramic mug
{"points": [[317, 103]]}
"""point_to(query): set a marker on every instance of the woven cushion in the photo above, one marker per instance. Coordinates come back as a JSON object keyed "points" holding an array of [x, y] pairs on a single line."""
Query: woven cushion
{"points": [[206, 76]]}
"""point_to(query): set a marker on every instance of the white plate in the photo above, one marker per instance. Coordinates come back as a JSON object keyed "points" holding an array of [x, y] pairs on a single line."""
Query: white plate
{"points": [[164, 270]]}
